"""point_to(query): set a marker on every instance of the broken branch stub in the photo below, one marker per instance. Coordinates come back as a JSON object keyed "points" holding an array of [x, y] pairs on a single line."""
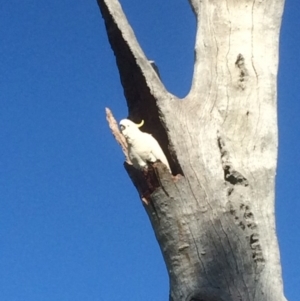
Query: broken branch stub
{"points": [[113, 125]]}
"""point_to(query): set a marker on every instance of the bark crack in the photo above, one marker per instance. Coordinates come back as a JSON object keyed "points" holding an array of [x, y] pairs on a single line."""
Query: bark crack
{"points": [[235, 261], [229, 44], [216, 70], [256, 75], [201, 263], [219, 245], [231, 175], [252, 32], [245, 220], [243, 73]]}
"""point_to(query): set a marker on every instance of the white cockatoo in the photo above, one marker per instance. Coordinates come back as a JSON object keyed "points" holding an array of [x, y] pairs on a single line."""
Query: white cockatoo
{"points": [[142, 147]]}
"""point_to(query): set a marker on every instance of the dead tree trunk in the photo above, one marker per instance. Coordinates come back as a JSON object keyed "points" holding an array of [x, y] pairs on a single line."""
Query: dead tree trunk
{"points": [[215, 222]]}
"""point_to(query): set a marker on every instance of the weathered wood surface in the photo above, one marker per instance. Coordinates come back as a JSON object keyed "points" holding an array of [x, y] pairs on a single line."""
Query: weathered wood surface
{"points": [[215, 221]]}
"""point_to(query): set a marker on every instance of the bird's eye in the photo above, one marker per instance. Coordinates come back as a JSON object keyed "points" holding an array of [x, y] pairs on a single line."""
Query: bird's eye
{"points": [[122, 127]]}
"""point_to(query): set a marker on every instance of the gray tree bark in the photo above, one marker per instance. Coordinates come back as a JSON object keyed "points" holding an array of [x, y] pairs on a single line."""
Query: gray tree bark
{"points": [[214, 217]]}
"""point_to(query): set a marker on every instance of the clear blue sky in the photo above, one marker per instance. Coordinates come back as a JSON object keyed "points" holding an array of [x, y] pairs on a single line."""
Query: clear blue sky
{"points": [[71, 223]]}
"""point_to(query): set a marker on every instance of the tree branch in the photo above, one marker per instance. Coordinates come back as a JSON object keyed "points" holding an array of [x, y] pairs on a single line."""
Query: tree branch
{"points": [[142, 85], [144, 92], [113, 125]]}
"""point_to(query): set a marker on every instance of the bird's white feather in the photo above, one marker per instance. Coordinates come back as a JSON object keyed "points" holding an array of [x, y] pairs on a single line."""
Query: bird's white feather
{"points": [[142, 147]]}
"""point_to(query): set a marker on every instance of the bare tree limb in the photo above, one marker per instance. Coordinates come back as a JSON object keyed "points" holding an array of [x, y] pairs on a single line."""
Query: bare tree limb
{"points": [[113, 125]]}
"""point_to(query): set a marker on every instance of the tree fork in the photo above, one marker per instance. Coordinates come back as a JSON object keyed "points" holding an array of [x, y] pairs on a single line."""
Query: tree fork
{"points": [[214, 218]]}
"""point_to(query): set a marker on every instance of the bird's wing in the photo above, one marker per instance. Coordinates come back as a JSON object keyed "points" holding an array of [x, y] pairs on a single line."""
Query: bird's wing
{"points": [[157, 151]]}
